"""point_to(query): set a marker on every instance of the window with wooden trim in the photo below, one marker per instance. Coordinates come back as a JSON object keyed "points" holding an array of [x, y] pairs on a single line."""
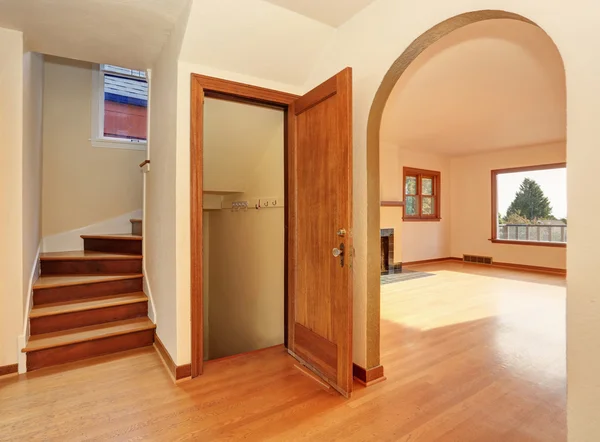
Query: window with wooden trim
{"points": [[529, 205], [421, 195]]}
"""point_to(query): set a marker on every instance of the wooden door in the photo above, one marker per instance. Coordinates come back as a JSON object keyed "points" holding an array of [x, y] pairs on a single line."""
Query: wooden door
{"points": [[320, 230]]}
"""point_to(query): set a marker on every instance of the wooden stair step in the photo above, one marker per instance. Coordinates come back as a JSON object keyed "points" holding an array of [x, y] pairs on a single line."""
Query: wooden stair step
{"points": [[85, 255], [116, 236], [89, 262], [118, 243], [136, 226], [60, 308], [87, 334], [54, 281]]}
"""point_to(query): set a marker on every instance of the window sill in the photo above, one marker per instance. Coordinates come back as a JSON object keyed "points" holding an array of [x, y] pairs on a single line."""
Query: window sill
{"points": [[529, 243], [422, 219], [117, 144]]}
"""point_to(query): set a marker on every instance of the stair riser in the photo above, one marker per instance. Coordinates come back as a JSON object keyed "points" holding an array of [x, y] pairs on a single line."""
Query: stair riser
{"points": [[99, 267], [129, 246], [136, 228], [75, 352], [66, 321], [86, 291]]}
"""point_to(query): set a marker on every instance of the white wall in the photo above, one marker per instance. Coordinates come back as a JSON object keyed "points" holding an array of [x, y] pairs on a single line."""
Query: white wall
{"points": [[471, 205], [82, 185], [161, 246], [415, 240], [11, 194], [33, 90]]}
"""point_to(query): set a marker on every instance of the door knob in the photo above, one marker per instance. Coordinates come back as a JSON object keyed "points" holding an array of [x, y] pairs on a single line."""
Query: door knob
{"points": [[339, 253]]}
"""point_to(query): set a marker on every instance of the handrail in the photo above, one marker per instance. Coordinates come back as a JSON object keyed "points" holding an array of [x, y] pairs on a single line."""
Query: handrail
{"points": [[144, 163]]}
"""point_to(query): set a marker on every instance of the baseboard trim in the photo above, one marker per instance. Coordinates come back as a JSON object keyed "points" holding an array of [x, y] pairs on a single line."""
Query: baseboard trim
{"points": [[508, 265], [9, 369], [177, 372], [368, 377], [427, 261]]}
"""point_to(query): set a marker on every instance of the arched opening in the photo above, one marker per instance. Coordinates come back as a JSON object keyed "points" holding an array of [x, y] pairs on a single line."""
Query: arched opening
{"points": [[536, 137]]}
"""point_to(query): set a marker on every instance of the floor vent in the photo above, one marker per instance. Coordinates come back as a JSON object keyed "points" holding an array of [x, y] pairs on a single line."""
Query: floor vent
{"points": [[477, 259]]}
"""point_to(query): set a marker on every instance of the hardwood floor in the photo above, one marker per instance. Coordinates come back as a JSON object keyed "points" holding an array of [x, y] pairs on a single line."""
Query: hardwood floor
{"points": [[470, 354]]}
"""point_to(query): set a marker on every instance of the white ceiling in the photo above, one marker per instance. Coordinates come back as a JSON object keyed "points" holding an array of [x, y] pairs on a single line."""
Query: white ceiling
{"points": [[331, 12], [491, 85], [128, 33]]}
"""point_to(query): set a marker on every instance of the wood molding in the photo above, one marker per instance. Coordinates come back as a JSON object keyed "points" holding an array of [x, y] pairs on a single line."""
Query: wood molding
{"points": [[203, 86], [530, 243], [508, 265], [392, 204], [368, 377], [494, 207], [529, 268], [177, 372], [426, 261], [9, 369]]}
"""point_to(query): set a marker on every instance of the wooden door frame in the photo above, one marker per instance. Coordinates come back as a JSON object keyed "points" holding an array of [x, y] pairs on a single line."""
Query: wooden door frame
{"points": [[201, 87]]}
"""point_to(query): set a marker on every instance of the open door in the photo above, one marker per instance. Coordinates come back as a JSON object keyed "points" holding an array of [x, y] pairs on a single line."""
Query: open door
{"points": [[320, 231]]}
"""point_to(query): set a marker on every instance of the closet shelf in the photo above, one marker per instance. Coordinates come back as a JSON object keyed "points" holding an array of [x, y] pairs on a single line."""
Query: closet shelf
{"points": [[222, 192]]}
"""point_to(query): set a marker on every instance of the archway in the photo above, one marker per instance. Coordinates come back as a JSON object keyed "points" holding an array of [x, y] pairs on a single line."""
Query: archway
{"points": [[373, 161]]}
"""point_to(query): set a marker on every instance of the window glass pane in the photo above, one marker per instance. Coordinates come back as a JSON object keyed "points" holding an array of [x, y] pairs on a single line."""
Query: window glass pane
{"points": [[427, 205], [410, 206], [426, 186], [532, 205], [410, 187], [125, 107]]}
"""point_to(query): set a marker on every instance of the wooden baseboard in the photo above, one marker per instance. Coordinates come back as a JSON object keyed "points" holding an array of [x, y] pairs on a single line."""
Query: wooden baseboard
{"points": [[368, 377], [508, 265], [426, 261], [9, 369], [177, 372], [530, 268]]}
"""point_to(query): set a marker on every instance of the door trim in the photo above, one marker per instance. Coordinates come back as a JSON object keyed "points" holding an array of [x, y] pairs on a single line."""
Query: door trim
{"points": [[201, 87]]}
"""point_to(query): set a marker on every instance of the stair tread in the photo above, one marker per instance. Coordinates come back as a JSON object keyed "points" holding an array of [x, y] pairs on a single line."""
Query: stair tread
{"points": [[58, 308], [85, 255], [89, 333], [122, 236], [66, 280]]}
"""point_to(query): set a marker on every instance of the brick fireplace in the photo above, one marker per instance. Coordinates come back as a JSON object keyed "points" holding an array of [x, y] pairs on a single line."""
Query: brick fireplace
{"points": [[387, 253]]}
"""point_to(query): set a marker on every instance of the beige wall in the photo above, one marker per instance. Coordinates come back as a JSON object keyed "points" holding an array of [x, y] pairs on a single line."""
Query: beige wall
{"points": [[472, 198], [415, 241], [33, 90], [11, 194], [160, 243], [246, 282], [82, 185]]}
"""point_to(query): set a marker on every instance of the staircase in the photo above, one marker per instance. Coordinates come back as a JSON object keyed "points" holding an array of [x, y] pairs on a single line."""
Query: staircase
{"points": [[89, 302]]}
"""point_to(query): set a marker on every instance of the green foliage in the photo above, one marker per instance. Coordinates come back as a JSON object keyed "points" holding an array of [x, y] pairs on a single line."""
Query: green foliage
{"points": [[516, 218], [530, 203]]}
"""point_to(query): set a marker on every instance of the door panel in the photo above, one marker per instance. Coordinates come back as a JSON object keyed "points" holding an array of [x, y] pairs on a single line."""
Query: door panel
{"points": [[321, 332]]}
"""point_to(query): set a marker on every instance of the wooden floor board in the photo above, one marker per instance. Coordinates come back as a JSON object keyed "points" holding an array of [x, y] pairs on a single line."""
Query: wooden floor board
{"points": [[470, 354]]}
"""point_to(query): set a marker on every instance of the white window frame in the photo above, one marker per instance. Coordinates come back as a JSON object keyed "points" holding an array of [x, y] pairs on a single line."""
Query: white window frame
{"points": [[98, 138]]}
